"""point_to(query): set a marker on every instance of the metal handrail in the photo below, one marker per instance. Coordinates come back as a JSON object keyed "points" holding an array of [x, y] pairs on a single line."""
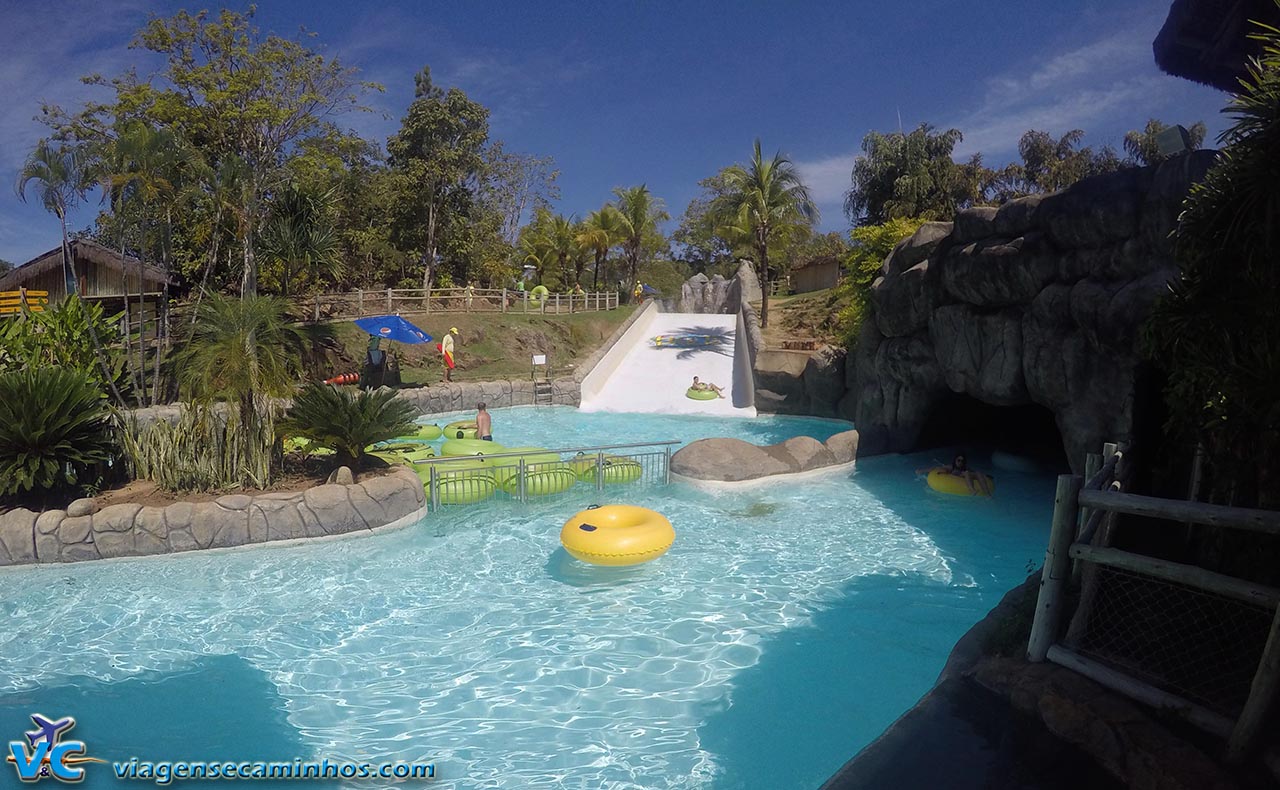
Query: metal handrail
{"points": [[526, 453]]}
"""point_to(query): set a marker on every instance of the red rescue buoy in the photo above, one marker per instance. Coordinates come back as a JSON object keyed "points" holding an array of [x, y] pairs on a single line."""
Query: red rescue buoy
{"points": [[345, 378]]}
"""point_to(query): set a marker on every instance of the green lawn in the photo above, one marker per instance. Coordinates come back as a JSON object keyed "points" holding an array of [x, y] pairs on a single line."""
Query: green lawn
{"points": [[489, 346]]}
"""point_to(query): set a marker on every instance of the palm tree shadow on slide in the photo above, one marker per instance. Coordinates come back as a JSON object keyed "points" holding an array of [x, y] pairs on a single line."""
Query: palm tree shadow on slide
{"points": [[689, 341]]}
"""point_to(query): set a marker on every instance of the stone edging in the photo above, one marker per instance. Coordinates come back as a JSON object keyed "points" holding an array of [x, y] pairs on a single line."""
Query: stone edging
{"points": [[82, 532], [733, 460]]}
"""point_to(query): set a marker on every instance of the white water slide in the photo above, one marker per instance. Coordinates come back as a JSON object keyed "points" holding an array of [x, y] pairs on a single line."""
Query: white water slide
{"points": [[651, 367]]}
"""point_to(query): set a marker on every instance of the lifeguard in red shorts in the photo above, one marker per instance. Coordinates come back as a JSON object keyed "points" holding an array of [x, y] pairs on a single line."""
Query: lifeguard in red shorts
{"points": [[446, 350]]}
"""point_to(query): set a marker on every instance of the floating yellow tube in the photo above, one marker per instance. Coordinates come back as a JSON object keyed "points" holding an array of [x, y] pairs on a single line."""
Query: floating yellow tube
{"points": [[617, 469], [535, 459], [426, 432], [461, 482], [942, 481], [540, 482], [617, 535], [694, 394], [470, 447]]}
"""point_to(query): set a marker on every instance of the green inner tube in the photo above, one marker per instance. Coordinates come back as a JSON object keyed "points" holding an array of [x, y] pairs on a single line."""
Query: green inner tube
{"points": [[466, 490], [470, 447], [462, 429], [700, 394], [541, 482], [538, 294], [534, 458], [425, 433], [404, 454], [617, 469]]}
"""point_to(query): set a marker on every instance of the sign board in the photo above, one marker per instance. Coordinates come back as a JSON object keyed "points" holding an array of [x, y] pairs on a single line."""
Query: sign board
{"points": [[539, 359]]}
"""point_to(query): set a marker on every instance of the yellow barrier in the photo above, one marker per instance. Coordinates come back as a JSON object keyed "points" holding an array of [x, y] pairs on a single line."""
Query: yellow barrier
{"points": [[11, 302]]}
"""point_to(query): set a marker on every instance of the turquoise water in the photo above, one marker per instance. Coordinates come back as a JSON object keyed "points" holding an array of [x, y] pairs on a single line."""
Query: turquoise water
{"points": [[786, 628]]}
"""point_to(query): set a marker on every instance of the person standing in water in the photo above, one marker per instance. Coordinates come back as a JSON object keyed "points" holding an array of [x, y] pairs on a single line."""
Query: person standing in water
{"points": [[484, 423], [446, 350]]}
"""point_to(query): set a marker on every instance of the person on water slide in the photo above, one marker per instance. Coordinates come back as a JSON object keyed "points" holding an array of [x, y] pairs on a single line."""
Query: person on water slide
{"points": [[704, 386]]}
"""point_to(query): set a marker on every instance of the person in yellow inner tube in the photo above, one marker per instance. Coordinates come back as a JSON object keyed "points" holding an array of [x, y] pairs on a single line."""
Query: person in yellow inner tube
{"points": [[706, 385], [960, 468]]}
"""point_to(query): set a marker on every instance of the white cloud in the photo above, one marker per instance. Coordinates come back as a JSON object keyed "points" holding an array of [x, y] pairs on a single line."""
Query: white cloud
{"points": [[827, 178]]}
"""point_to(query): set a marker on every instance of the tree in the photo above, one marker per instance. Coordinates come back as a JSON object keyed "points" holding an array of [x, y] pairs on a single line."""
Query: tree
{"points": [[911, 175], [1049, 165], [5, 266], [598, 233], [298, 238], [437, 156], [1143, 148], [65, 177], [769, 197], [871, 245], [226, 89], [515, 183], [348, 420], [640, 214], [1215, 333], [702, 243]]}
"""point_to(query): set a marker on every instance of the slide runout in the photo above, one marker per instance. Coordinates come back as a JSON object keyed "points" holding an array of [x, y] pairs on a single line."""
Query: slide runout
{"points": [[654, 363]]}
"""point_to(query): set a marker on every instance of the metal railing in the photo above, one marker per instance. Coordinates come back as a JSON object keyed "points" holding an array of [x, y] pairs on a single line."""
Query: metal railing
{"points": [[485, 477], [358, 303], [1174, 636]]}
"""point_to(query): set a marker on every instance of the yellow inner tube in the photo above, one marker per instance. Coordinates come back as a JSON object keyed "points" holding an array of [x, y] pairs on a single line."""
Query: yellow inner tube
{"points": [[942, 481], [617, 469], [471, 447], [539, 294], [617, 535]]}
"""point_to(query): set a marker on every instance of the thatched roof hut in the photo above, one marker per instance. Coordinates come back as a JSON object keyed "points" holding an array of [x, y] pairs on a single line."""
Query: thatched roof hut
{"points": [[1207, 41], [101, 273]]}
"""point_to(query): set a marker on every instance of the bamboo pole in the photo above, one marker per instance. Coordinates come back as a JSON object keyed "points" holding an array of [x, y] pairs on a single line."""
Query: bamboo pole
{"points": [[1249, 519], [1132, 688], [1262, 696], [1057, 567]]}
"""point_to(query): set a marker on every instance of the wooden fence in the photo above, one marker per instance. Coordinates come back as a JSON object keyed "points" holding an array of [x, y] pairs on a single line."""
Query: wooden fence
{"points": [[12, 302], [1163, 583], [356, 304]]}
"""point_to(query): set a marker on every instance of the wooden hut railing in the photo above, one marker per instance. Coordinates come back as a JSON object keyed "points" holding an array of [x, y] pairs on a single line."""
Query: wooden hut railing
{"points": [[1093, 506], [358, 303], [13, 302]]}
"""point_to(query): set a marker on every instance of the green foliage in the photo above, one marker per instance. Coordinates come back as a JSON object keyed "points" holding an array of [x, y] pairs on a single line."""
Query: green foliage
{"points": [[640, 216], [911, 175], [1142, 145], [665, 275], [347, 420], [1049, 165], [1216, 333], [769, 205], [53, 428], [704, 246], [871, 245], [240, 349], [597, 234], [299, 241], [63, 336], [207, 449]]}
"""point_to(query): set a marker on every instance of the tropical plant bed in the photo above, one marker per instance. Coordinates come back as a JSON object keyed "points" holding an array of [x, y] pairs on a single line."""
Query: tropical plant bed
{"points": [[148, 494]]}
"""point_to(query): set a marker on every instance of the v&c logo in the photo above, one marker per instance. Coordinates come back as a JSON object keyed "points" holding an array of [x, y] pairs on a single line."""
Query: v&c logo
{"points": [[45, 754]]}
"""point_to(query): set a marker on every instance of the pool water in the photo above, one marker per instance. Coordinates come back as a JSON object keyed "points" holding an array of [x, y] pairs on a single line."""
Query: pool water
{"points": [[787, 627]]}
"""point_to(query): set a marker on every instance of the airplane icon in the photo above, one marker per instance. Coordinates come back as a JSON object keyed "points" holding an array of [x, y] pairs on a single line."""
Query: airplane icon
{"points": [[49, 731]]}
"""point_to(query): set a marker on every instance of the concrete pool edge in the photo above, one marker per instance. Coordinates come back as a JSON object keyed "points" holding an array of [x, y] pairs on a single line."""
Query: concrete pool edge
{"points": [[85, 533]]}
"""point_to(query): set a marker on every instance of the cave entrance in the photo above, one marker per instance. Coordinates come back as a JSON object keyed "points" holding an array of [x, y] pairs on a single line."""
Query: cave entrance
{"points": [[960, 422]]}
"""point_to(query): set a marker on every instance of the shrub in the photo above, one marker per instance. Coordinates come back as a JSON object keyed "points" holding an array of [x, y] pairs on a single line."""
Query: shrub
{"points": [[871, 245], [60, 336], [53, 428], [207, 449], [347, 420]]}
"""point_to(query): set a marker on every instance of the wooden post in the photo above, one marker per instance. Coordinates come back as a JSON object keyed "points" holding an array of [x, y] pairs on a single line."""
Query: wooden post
{"points": [[1262, 695], [526, 302], [504, 300], [1057, 568], [359, 302], [557, 304], [1092, 463], [315, 308], [388, 300], [426, 300]]}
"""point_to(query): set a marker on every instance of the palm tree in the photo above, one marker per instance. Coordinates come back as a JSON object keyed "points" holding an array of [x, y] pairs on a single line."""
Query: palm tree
{"points": [[767, 196], [561, 236], [241, 350], [640, 213], [299, 235], [65, 176], [598, 233]]}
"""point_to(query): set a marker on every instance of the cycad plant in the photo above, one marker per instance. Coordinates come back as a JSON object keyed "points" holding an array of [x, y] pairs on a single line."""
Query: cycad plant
{"points": [[53, 429], [347, 420]]}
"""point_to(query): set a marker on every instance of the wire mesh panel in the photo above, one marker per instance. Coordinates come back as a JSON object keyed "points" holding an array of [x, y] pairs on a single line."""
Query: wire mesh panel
{"points": [[1202, 646], [466, 480]]}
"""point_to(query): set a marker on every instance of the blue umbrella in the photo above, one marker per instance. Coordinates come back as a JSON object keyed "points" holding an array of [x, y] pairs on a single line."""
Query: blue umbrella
{"points": [[393, 327]]}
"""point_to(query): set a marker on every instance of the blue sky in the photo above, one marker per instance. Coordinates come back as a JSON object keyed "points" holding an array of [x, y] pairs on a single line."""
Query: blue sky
{"points": [[665, 93]]}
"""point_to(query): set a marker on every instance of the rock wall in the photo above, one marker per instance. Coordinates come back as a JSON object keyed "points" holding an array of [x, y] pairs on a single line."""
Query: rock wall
{"points": [[1039, 301], [83, 532], [701, 294]]}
